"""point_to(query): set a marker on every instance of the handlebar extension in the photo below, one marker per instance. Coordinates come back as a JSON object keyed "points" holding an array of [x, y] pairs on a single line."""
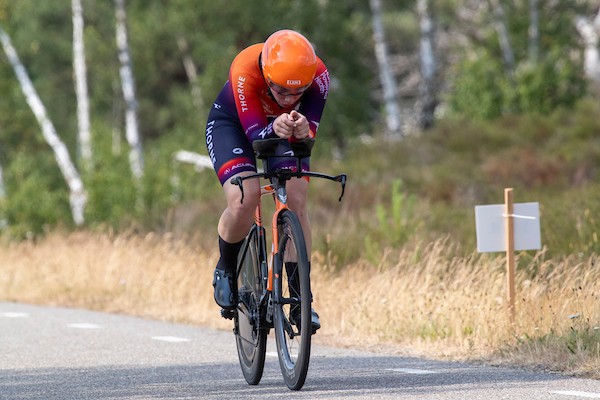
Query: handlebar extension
{"points": [[287, 174]]}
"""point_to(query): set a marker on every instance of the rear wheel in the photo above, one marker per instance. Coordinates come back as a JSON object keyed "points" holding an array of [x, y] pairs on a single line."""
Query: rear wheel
{"points": [[292, 311], [250, 325]]}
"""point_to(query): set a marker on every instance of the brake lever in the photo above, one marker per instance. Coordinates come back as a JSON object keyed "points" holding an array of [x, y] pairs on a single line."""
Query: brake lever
{"points": [[238, 181]]}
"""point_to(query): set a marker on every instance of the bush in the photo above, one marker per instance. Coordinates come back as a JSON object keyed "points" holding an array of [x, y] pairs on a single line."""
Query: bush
{"points": [[482, 89], [35, 199]]}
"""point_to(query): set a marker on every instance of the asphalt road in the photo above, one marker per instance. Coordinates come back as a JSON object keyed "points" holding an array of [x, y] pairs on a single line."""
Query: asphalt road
{"points": [[57, 353]]}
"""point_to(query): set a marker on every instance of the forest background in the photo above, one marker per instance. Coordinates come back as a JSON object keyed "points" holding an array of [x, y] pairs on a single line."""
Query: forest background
{"points": [[434, 107]]}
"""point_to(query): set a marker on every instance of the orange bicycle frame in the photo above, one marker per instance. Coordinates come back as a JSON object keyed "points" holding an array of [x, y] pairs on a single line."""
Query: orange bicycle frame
{"points": [[279, 207]]}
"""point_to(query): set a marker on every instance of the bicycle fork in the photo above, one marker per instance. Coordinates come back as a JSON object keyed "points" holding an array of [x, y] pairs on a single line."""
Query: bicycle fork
{"points": [[280, 197]]}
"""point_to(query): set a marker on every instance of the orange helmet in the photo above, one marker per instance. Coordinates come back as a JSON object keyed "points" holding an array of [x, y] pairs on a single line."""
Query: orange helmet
{"points": [[288, 60]]}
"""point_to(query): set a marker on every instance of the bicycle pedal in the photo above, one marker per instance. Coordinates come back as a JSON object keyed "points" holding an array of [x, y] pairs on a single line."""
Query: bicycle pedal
{"points": [[227, 314]]}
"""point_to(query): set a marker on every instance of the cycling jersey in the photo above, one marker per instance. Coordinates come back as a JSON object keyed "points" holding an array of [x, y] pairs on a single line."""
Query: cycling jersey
{"points": [[245, 110]]}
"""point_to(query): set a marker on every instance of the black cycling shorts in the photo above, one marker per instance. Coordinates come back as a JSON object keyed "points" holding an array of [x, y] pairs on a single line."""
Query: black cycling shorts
{"points": [[230, 150]]}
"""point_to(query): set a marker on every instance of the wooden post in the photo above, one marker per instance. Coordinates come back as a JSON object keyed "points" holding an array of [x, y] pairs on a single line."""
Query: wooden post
{"points": [[510, 250]]}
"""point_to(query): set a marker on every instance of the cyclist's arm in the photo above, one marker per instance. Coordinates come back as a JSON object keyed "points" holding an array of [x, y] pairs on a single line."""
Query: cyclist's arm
{"points": [[245, 78], [313, 101], [249, 108]]}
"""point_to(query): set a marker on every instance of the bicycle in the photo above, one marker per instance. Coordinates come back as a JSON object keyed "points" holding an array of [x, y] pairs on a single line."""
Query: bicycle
{"points": [[274, 291]]}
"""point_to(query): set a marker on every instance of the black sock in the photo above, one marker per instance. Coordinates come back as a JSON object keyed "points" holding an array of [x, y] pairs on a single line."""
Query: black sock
{"points": [[229, 254]]}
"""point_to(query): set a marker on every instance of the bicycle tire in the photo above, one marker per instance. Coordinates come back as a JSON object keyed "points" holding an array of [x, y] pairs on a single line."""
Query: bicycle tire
{"points": [[250, 326], [293, 342]]}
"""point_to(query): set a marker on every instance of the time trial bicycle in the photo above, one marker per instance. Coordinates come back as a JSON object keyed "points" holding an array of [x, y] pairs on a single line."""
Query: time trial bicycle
{"points": [[273, 289]]}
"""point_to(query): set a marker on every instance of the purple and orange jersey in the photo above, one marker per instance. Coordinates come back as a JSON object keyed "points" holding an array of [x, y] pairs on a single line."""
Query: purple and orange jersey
{"points": [[245, 101], [255, 107]]}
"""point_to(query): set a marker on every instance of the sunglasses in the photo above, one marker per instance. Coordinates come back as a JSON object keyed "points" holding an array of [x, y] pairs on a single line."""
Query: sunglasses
{"points": [[283, 91]]}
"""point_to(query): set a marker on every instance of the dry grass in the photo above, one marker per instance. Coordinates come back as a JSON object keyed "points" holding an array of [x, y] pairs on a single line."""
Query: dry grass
{"points": [[151, 276], [419, 301]]}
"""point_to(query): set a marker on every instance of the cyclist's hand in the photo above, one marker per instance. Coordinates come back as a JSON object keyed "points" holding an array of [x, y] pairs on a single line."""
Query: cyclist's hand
{"points": [[301, 127], [283, 126]]}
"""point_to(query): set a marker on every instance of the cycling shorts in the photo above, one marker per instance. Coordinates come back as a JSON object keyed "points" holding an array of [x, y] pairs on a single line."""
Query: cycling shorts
{"points": [[230, 150]]}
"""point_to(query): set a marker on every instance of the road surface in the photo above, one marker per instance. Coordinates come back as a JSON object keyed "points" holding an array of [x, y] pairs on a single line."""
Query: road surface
{"points": [[57, 353]]}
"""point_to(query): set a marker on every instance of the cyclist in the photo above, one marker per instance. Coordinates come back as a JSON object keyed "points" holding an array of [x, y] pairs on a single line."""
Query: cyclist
{"points": [[275, 89]]}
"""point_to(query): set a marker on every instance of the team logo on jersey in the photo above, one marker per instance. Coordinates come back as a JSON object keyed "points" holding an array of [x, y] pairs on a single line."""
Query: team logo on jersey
{"points": [[237, 150], [294, 82]]}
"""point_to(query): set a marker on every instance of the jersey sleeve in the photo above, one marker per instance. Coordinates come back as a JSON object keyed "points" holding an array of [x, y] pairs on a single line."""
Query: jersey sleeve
{"points": [[313, 101], [251, 97], [245, 84]]}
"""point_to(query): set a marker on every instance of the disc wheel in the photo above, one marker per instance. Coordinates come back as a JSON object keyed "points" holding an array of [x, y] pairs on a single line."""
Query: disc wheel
{"points": [[250, 327]]}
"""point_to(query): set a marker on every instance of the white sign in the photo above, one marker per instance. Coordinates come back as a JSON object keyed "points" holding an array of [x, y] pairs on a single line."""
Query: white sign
{"points": [[490, 223]]}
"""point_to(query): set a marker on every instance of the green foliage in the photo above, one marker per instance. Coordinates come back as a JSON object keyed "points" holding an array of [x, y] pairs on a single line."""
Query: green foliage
{"points": [[110, 187], [570, 223], [542, 87], [550, 159], [112, 193], [552, 153], [483, 87], [35, 200], [479, 88], [395, 223]]}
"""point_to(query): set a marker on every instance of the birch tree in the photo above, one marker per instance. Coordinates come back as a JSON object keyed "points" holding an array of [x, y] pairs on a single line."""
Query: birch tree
{"points": [[136, 160], [502, 30], [81, 89], [388, 83], [427, 100], [191, 71], [534, 31], [589, 29], [77, 196]]}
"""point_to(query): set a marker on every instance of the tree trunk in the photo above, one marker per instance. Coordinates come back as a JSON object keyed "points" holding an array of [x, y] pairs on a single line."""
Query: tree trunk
{"points": [[136, 160], [388, 83], [502, 30], [590, 32], [534, 31], [427, 100], [192, 73], [77, 196], [81, 88]]}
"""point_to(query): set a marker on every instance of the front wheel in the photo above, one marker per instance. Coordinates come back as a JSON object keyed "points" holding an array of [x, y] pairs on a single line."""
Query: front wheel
{"points": [[292, 311]]}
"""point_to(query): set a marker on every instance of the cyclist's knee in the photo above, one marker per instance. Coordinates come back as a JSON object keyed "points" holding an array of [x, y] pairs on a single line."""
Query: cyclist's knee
{"points": [[250, 201], [297, 203], [297, 190]]}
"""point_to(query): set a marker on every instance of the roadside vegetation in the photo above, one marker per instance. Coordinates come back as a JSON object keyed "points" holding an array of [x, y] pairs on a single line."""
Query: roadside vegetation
{"points": [[395, 265]]}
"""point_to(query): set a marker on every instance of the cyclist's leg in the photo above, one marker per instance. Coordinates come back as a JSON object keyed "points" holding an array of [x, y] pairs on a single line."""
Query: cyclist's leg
{"points": [[237, 218], [231, 155], [234, 223], [297, 189]]}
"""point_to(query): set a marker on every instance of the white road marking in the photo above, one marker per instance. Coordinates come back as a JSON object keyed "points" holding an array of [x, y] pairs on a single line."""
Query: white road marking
{"points": [[83, 325], [576, 393], [170, 339], [413, 371], [14, 315]]}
